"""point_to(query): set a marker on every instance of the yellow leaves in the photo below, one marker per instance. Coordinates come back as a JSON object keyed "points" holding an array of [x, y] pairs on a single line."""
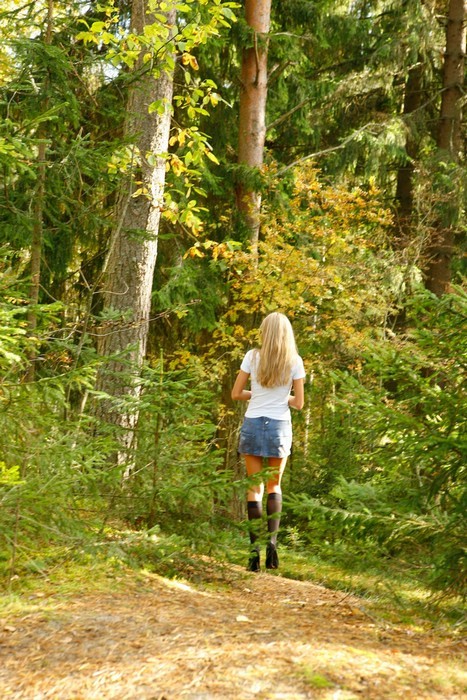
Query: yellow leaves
{"points": [[140, 191], [277, 278], [181, 359], [214, 99], [175, 164], [194, 251], [191, 220], [180, 137], [97, 27], [188, 214], [153, 31], [189, 60], [316, 263], [186, 165], [313, 263], [198, 249], [341, 219], [211, 156], [102, 31], [225, 251]]}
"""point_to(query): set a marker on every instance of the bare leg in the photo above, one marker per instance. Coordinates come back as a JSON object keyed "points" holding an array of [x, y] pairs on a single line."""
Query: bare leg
{"points": [[254, 466], [275, 472]]}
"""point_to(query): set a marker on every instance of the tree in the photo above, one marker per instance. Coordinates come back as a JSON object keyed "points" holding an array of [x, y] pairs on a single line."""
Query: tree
{"points": [[131, 258], [251, 139], [127, 279], [406, 172], [449, 144], [252, 116], [38, 204]]}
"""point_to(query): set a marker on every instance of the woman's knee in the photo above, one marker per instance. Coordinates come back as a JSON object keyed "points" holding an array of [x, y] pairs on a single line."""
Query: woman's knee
{"points": [[255, 492], [274, 486]]}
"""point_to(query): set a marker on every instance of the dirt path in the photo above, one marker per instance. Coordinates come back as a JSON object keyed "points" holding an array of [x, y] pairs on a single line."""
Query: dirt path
{"points": [[260, 636]]}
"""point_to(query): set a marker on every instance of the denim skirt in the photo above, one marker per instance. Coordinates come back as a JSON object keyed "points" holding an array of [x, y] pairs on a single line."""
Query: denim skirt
{"points": [[265, 437]]}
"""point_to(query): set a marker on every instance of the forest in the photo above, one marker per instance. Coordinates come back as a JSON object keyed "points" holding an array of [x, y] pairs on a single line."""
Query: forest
{"points": [[170, 173]]}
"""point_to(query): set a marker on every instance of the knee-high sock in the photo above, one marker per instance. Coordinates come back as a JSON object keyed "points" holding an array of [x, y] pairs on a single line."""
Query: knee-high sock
{"points": [[274, 508], [255, 511]]}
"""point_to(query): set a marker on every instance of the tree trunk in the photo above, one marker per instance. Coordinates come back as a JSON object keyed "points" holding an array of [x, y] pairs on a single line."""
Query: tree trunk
{"points": [[128, 274], [38, 207], [405, 174], [449, 142], [252, 119], [252, 135]]}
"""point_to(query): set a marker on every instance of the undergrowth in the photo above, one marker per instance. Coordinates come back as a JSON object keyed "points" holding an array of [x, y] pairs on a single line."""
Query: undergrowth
{"points": [[119, 556]]}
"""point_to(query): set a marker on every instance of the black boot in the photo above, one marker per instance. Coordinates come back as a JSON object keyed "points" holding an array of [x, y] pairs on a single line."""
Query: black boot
{"points": [[272, 560], [274, 507], [254, 561]]}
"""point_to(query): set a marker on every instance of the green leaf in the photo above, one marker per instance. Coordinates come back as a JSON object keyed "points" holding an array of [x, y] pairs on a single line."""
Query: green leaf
{"points": [[97, 27]]}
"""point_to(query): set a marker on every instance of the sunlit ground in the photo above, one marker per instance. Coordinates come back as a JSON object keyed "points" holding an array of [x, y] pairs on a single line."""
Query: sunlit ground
{"points": [[93, 628]]}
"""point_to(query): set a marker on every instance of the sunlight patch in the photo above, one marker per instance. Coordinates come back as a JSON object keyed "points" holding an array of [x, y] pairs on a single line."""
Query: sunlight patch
{"points": [[174, 583]]}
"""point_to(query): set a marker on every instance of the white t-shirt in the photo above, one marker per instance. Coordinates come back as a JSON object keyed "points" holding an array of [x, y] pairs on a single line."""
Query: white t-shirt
{"points": [[270, 402]]}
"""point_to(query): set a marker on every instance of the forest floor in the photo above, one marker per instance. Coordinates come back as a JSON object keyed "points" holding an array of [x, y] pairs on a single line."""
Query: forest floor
{"points": [[139, 636]]}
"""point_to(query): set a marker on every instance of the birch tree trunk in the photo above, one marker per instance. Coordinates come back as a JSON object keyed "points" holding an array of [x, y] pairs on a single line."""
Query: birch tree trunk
{"points": [[129, 269], [449, 142], [252, 118]]}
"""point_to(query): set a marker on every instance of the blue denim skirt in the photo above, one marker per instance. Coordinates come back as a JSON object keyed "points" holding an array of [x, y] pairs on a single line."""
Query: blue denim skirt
{"points": [[265, 437]]}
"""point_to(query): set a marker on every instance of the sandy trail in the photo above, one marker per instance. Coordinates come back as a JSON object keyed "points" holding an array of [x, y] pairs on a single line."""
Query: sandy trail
{"points": [[258, 636]]}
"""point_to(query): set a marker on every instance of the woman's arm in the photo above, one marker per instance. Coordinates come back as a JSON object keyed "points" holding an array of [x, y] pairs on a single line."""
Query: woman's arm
{"points": [[298, 398], [239, 393]]}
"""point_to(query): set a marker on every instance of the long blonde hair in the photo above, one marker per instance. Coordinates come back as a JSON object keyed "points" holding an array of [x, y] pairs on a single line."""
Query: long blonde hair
{"points": [[278, 352]]}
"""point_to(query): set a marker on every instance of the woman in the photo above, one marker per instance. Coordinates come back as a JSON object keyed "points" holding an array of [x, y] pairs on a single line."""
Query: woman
{"points": [[266, 432]]}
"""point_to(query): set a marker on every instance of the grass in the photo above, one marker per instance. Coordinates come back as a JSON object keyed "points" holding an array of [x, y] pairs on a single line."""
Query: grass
{"points": [[387, 592], [314, 679]]}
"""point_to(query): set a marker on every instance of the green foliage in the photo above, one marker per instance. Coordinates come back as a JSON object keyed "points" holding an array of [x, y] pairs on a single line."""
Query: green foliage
{"points": [[406, 411], [9, 476], [176, 479], [45, 99], [378, 464], [57, 479], [50, 470]]}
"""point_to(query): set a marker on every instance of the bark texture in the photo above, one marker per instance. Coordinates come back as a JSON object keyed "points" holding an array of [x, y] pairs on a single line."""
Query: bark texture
{"points": [[128, 275], [449, 140], [252, 118], [38, 205], [405, 174], [252, 135]]}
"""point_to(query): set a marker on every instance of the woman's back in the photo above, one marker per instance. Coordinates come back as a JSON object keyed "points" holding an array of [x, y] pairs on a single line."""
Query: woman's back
{"points": [[272, 401]]}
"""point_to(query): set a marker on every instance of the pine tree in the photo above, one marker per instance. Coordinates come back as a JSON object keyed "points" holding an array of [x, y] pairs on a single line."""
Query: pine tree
{"points": [[252, 116], [450, 150]]}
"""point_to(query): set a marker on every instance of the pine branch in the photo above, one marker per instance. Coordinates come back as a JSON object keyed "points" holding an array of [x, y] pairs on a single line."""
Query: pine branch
{"points": [[326, 150]]}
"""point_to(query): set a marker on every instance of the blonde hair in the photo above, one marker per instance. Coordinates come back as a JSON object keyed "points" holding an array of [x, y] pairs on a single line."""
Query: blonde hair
{"points": [[278, 352]]}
